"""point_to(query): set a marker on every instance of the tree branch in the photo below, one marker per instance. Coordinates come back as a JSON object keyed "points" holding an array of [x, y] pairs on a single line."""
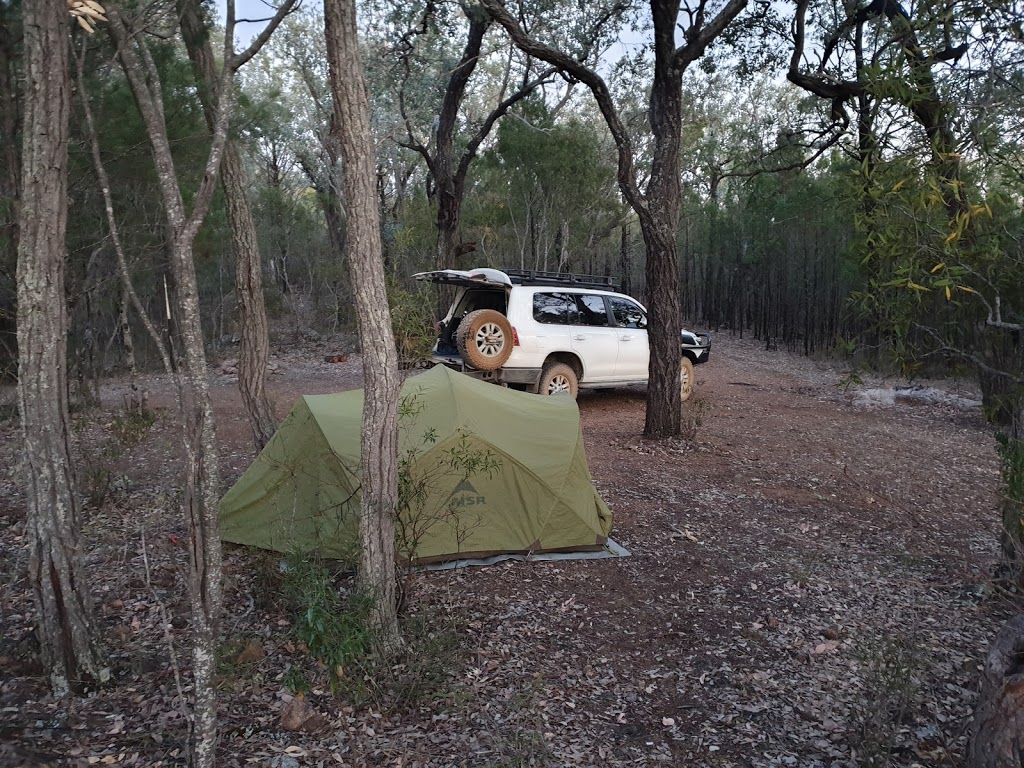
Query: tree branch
{"points": [[590, 78], [699, 37], [286, 8], [497, 113]]}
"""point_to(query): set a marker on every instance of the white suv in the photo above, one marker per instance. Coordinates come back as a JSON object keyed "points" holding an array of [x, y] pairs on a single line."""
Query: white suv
{"points": [[549, 332]]}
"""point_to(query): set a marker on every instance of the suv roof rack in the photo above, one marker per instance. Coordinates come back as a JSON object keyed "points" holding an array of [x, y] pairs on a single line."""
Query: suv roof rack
{"points": [[535, 277]]}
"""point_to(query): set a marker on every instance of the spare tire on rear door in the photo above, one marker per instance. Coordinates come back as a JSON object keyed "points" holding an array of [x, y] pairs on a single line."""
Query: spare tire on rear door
{"points": [[484, 339]]}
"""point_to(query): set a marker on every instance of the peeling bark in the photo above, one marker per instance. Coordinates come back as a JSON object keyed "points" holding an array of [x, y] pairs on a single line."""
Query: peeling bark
{"points": [[379, 442], [55, 571]]}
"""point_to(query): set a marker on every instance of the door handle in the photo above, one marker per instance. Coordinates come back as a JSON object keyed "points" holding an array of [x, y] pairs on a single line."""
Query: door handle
{"points": [[625, 338], [579, 337]]}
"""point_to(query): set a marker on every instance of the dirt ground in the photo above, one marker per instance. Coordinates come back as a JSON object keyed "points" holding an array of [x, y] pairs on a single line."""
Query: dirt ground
{"points": [[807, 587]]}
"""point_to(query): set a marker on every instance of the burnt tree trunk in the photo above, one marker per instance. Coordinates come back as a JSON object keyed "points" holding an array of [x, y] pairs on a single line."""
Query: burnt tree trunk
{"points": [[379, 444], [58, 584], [254, 353], [997, 738]]}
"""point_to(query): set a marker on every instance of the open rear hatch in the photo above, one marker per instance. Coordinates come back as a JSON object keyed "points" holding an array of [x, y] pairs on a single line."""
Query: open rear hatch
{"points": [[484, 277]]}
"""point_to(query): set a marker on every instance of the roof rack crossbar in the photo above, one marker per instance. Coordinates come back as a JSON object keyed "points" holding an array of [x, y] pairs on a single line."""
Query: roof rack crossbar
{"points": [[538, 277]]}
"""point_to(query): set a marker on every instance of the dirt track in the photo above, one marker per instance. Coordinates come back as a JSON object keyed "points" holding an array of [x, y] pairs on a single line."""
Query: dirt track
{"points": [[790, 561]]}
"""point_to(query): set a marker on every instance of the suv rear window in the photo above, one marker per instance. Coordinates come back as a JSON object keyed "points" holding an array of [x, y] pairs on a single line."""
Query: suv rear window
{"points": [[554, 308], [591, 309]]}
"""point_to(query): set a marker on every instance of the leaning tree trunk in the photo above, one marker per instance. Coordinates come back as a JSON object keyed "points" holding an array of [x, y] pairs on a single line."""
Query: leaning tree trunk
{"points": [[254, 353], [380, 358], [997, 739], [55, 568]]}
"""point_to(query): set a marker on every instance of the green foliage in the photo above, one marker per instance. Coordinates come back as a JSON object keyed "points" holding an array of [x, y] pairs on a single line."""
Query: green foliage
{"points": [[295, 680], [925, 273], [334, 627], [412, 320]]}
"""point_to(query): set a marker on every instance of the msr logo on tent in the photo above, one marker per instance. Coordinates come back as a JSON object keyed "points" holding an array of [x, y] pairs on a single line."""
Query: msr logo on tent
{"points": [[465, 495]]}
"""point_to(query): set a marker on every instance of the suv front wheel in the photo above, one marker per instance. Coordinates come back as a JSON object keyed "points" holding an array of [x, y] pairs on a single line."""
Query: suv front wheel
{"points": [[558, 378], [484, 339]]}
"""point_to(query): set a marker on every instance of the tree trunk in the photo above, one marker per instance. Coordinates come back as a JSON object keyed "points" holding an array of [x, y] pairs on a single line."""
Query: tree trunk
{"points": [[380, 358], [202, 473], [136, 402], [997, 739], [657, 207], [447, 230], [626, 261], [563, 248], [254, 353], [55, 569], [202, 499], [659, 224], [10, 180]]}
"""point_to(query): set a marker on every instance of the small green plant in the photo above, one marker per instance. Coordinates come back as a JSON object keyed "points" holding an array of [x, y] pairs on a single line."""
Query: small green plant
{"points": [[845, 348], [295, 680], [852, 378], [333, 626], [892, 669], [124, 432]]}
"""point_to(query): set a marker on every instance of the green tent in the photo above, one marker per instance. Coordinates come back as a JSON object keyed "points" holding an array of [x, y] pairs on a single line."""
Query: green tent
{"points": [[488, 470]]}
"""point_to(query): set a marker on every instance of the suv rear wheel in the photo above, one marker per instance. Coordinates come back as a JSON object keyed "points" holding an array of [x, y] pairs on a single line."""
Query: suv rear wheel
{"points": [[686, 379], [558, 378], [484, 339]]}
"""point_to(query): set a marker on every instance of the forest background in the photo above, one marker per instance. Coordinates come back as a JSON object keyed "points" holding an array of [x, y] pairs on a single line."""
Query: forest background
{"points": [[823, 176]]}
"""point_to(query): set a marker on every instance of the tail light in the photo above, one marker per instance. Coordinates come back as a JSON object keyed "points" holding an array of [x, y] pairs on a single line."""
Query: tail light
{"points": [[515, 337]]}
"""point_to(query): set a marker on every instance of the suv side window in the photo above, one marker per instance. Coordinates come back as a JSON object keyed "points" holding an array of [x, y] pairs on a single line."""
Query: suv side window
{"points": [[592, 310], [554, 308], [627, 313]]}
